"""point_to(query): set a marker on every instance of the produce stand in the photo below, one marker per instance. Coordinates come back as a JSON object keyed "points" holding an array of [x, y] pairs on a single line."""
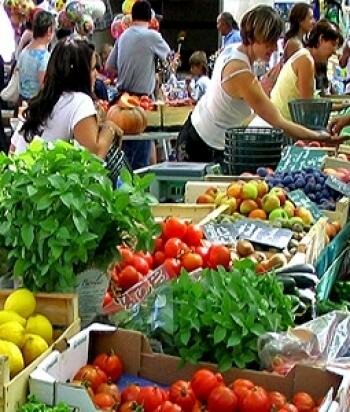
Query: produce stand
{"points": [[62, 311]]}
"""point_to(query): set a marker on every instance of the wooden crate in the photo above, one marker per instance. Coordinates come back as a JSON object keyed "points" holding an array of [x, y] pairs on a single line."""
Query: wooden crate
{"points": [[314, 242], [172, 116], [62, 311], [197, 188]]}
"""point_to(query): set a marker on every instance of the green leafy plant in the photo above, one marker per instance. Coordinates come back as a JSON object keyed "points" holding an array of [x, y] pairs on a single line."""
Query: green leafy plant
{"points": [[35, 406], [60, 214], [219, 317]]}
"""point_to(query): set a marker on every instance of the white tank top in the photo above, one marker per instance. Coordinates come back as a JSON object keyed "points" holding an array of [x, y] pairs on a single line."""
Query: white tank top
{"points": [[216, 111]]}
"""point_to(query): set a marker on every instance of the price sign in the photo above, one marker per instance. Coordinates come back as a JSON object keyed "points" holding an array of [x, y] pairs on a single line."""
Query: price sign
{"points": [[338, 185], [224, 233], [299, 198], [297, 158]]}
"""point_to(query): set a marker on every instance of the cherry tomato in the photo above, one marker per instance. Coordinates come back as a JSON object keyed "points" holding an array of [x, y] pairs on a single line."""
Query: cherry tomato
{"points": [[222, 399], [103, 400], [168, 406], [203, 382], [172, 267], [140, 264], [173, 247], [91, 375], [256, 400], [204, 252], [304, 402], [150, 397], [182, 394], [277, 399], [126, 254], [174, 227], [110, 364], [194, 235], [192, 261], [130, 393], [241, 387], [158, 258], [128, 277], [148, 258], [107, 299], [219, 255], [112, 390], [158, 244]]}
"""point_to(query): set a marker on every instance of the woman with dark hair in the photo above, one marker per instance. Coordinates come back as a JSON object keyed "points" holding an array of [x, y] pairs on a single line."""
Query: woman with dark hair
{"points": [[234, 91], [64, 108], [301, 20], [297, 77]]}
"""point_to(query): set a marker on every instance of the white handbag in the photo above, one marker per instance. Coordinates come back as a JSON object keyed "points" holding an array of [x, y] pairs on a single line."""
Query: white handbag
{"points": [[11, 92]]}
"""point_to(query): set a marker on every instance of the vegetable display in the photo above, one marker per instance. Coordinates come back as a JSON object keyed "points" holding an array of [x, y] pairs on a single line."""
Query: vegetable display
{"points": [[35, 406], [59, 214], [217, 318]]}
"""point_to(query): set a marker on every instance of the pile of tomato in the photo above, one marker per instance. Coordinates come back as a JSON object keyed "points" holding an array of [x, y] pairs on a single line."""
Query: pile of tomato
{"points": [[98, 379]]}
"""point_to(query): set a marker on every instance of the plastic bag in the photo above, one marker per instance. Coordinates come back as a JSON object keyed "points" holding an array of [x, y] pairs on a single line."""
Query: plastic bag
{"points": [[320, 342]]}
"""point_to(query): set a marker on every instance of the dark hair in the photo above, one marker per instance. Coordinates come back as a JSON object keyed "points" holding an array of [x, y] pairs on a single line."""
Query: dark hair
{"points": [[261, 24], [328, 31], [68, 70], [61, 33], [297, 15], [199, 58], [141, 11], [42, 21], [229, 20]]}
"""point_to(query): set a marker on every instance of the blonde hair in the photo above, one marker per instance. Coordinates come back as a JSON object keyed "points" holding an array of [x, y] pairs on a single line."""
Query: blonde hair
{"points": [[262, 24], [199, 58]]}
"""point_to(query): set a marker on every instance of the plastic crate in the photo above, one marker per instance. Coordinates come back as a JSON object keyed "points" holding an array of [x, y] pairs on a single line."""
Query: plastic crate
{"points": [[115, 161], [311, 113], [246, 149]]}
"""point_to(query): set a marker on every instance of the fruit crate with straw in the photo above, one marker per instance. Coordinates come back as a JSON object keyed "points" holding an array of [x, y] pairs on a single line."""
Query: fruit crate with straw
{"points": [[62, 312], [167, 116]]}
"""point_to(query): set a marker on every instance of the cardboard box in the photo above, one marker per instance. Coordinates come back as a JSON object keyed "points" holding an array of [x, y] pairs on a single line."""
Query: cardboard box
{"points": [[62, 311], [49, 381]]}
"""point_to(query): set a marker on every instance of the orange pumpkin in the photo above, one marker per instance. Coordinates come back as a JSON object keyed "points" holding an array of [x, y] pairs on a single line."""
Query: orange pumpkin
{"points": [[131, 120], [127, 100]]}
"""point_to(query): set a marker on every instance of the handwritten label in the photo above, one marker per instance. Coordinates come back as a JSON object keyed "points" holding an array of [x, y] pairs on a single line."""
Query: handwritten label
{"points": [[338, 185], [141, 290], [252, 230], [297, 158], [299, 198], [91, 288]]}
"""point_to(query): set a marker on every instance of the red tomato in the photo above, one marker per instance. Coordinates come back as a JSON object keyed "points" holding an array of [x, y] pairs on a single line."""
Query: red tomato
{"points": [[174, 227], [194, 235], [112, 390], [126, 254], [131, 406], [182, 394], [158, 244], [173, 247], [277, 399], [158, 258], [148, 258], [192, 261], [130, 393], [150, 397], [256, 400], [203, 382], [140, 264], [91, 375], [168, 406], [222, 399], [204, 252], [288, 407], [107, 299], [128, 277], [172, 267], [165, 393], [219, 255], [103, 401], [110, 364], [241, 387], [199, 407], [304, 402]]}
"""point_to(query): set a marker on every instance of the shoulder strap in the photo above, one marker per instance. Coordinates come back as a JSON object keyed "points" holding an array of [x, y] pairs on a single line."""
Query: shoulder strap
{"points": [[231, 75]]}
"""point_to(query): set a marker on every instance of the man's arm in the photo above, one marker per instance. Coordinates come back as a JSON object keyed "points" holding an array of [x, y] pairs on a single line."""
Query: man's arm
{"points": [[112, 60]]}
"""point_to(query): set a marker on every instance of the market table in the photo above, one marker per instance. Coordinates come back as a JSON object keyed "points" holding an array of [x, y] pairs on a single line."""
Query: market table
{"points": [[163, 137]]}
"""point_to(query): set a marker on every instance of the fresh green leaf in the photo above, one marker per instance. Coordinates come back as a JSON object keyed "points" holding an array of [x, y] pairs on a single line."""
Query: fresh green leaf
{"points": [[27, 233]]}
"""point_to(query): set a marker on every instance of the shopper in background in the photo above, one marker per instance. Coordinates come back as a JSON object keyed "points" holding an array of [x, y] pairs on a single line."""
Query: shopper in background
{"points": [[64, 108], [297, 77], [33, 59], [301, 20], [199, 70], [133, 61], [234, 92], [228, 28]]}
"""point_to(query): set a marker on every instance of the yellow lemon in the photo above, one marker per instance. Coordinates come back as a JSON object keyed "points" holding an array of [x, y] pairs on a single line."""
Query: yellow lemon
{"points": [[40, 325], [8, 315], [33, 347], [13, 332], [12, 351], [21, 301]]}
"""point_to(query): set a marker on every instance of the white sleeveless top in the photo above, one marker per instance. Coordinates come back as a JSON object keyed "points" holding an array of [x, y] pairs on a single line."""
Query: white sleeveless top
{"points": [[216, 111]]}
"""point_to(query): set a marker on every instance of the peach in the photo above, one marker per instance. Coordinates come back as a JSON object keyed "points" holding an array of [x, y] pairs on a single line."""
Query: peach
{"points": [[205, 199], [258, 214], [247, 206], [270, 202], [305, 215], [249, 191], [289, 208], [281, 194], [211, 191], [234, 190], [263, 188]]}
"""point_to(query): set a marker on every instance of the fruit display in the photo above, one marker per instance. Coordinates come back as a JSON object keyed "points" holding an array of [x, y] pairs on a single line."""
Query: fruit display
{"points": [[24, 334], [341, 173]]}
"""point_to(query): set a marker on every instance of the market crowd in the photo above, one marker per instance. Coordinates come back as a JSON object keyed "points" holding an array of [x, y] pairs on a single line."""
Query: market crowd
{"points": [[60, 78]]}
